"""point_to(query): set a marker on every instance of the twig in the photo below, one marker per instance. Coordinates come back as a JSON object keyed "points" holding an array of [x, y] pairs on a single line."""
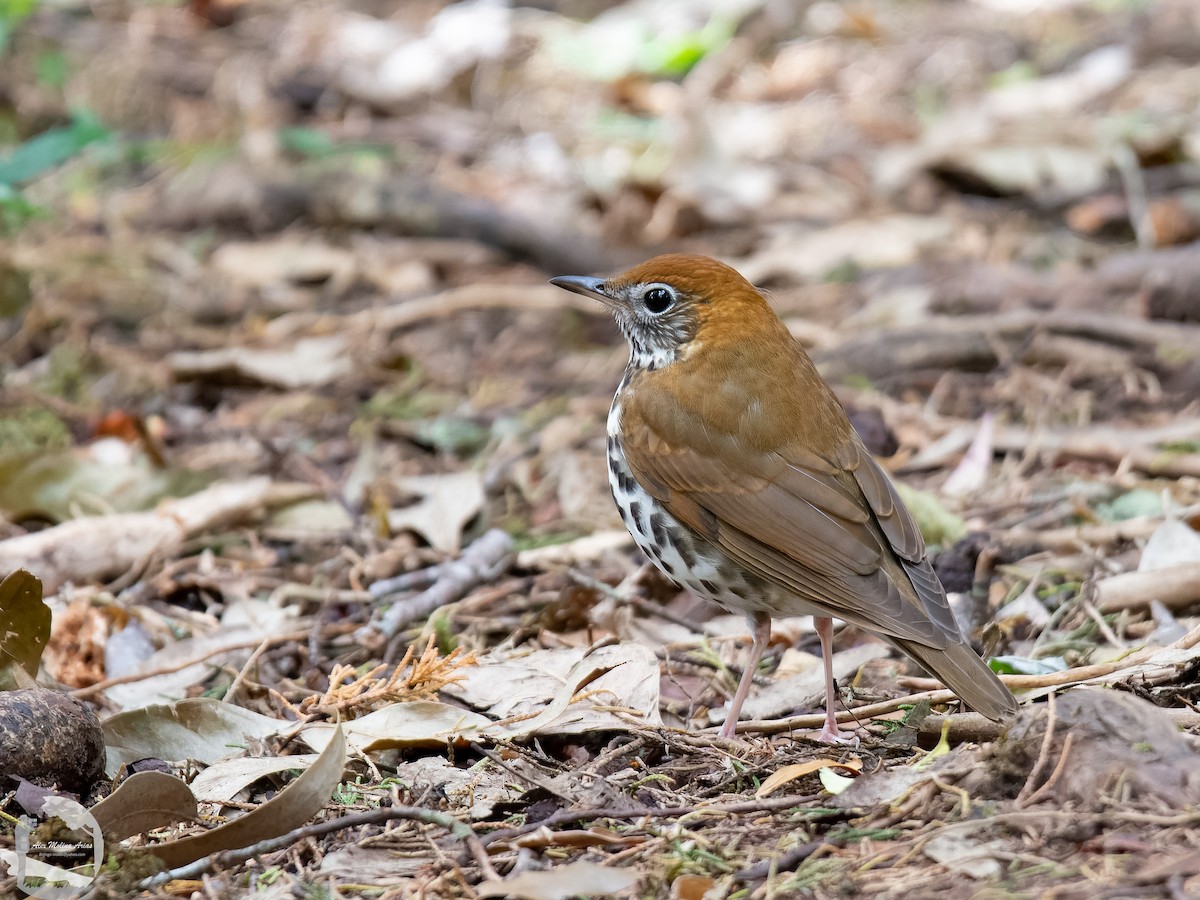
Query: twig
{"points": [[568, 816], [228, 858], [1105, 630], [444, 305], [787, 862], [1058, 770], [1043, 754], [1174, 587], [242, 673], [1134, 183], [1075, 537], [1053, 679], [485, 559], [91, 689], [642, 603]]}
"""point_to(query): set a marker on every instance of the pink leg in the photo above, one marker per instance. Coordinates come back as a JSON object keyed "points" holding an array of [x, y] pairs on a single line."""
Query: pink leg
{"points": [[830, 734], [760, 631]]}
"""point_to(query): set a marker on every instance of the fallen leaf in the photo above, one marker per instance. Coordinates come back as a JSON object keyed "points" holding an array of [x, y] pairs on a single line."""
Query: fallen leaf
{"points": [[562, 882], [24, 624], [833, 782], [623, 676], [447, 504], [223, 780], [420, 723], [788, 774], [960, 853], [310, 362], [202, 729], [290, 808], [142, 802]]}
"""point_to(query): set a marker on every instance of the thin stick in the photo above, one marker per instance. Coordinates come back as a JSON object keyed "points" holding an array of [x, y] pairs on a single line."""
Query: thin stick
{"points": [[568, 816], [244, 671], [1043, 754], [229, 858], [274, 640], [1058, 770]]}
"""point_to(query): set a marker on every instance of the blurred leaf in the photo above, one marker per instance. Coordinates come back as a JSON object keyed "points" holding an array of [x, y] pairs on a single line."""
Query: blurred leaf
{"points": [[1133, 505], [12, 13], [307, 142], [53, 486], [15, 209], [674, 55], [1021, 665], [50, 148], [52, 69], [451, 434], [24, 622], [28, 430], [448, 504], [938, 525]]}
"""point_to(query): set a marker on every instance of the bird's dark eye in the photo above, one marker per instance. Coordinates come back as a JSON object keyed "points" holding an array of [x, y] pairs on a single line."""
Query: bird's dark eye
{"points": [[658, 299]]}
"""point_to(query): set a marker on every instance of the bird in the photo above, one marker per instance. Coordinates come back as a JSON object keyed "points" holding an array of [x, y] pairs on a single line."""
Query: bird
{"points": [[738, 474]]}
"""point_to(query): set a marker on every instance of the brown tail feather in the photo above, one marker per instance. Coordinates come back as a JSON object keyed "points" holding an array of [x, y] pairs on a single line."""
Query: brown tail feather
{"points": [[961, 670]]}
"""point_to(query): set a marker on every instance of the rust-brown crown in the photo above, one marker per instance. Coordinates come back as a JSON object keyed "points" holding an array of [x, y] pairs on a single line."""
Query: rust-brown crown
{"points": [[670, 304]]}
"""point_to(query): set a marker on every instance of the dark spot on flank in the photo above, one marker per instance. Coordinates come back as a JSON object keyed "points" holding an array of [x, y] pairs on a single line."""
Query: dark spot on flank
{"points": [[615, 469], [627, 482], [709, 586], [612, 443], [635, 512], [687, 553], [658, 527]]}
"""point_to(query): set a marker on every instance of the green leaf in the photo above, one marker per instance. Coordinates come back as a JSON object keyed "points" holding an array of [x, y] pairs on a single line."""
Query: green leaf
{"points": [[24, 622], [1131, 505], [51, 148], [1021, 665]]}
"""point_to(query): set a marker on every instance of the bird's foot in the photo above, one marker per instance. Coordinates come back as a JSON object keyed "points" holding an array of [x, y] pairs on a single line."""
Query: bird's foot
{"points": [[831, 734]]}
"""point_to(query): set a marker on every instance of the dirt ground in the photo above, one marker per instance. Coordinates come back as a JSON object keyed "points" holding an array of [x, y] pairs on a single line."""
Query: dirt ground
{"points": [[309, 459]]}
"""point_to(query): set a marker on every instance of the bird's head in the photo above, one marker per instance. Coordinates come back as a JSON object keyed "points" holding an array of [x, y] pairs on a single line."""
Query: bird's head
{"points": [[671, 305]]}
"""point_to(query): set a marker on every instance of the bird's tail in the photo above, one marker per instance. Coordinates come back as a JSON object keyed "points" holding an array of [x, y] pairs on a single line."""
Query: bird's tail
{"points": [[960, 669]]}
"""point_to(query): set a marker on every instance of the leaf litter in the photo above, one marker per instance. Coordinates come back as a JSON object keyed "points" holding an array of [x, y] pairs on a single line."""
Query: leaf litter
{"points": [[308, 459]]}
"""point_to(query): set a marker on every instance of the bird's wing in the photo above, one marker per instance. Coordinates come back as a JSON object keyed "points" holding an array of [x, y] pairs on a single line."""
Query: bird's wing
{"points": [[835, 533]]}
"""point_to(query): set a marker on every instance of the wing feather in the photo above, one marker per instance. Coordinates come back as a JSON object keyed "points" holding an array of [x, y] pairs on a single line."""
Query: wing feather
{"points": [[835, 535]]}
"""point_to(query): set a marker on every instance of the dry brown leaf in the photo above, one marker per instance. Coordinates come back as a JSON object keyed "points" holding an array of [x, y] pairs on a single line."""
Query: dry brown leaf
{"points": [[788, 774]]}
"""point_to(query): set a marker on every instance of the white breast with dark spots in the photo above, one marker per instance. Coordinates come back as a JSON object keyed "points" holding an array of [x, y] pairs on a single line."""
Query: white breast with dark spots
{"points": [[687, 559]]}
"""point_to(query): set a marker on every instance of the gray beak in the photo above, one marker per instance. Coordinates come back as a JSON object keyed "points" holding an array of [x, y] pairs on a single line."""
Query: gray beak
{"points": [[582, 284]]}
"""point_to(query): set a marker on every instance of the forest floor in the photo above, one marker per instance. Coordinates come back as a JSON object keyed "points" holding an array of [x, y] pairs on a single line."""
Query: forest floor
{"points": [[294, 432]]}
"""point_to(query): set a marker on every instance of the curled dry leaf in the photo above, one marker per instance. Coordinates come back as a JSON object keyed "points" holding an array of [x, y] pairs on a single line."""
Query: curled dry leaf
{"points": [[142, 802], [290, 808], [788, 774]]}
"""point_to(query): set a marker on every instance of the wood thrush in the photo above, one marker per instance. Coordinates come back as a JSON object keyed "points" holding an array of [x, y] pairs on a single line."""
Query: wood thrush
{"points": [[738, 473]]}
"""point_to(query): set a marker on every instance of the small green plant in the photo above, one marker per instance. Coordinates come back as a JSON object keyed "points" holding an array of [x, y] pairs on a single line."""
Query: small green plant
{"points": [[12, 14]]}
